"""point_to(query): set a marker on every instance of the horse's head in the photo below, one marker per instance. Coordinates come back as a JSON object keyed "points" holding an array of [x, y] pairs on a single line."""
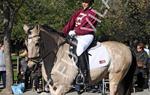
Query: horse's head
{"points": [[42, 43], [32, 43]]}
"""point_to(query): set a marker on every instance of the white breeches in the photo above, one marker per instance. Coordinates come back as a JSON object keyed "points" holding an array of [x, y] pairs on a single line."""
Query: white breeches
{"points": [[83, 43]]}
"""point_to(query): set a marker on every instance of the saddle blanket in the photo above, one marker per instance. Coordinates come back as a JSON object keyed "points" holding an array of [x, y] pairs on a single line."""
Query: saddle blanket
{"points": [[98, 56]]}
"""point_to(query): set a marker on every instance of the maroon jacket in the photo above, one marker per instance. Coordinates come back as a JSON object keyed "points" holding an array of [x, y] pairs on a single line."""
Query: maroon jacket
{"points": [[78, 22]]}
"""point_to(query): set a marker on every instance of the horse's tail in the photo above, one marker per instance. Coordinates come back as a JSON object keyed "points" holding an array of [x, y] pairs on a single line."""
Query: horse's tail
{"points": [[128, 79]]}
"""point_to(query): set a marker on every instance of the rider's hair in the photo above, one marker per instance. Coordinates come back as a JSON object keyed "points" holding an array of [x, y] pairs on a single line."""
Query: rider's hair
{"points": [[141, 44], [88, 1]]}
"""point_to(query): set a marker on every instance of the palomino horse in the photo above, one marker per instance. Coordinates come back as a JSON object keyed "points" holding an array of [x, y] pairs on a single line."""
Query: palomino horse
{"points": [[60, 71]]}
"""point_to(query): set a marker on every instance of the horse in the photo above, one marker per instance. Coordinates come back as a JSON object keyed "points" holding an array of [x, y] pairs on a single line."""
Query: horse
{"points": [[49, 46]]}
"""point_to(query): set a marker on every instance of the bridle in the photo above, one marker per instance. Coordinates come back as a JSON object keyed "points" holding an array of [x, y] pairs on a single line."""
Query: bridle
{"points": [[38, 59]]}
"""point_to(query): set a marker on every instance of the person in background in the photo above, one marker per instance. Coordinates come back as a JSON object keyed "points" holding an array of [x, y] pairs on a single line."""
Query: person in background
{"points": [[2, 65], [24, 72], [141, 57], [30, 76]]}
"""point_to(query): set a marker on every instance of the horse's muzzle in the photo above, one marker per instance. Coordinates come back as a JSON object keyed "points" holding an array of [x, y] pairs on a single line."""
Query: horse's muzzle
{"points": [[31, 64]]}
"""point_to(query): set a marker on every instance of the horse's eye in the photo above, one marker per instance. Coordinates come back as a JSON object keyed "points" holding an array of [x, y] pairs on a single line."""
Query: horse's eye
{"points": [[29, 32], [37, 44]]}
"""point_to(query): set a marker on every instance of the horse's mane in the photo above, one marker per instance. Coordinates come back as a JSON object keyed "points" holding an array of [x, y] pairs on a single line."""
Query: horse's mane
{"points": [[48, 28], [49, 37], [51, 30]]}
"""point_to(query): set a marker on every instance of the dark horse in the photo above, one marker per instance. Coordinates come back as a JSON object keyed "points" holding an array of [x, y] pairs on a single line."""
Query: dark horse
{"points": [[59, 70]]}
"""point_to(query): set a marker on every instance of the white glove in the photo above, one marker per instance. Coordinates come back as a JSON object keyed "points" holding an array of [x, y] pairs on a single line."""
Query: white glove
{"points": [[72, 33]]}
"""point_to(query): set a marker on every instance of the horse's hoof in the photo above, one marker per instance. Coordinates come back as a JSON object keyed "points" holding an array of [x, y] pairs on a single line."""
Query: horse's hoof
{"points": [[46, 90], [39, 90], [80, 92]]}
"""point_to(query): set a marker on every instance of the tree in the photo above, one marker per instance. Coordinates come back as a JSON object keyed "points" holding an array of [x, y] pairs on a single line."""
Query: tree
{"points": [[9, 9], [118, 23]]}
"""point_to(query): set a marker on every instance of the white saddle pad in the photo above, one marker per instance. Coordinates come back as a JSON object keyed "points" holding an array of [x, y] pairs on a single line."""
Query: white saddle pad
{"points": [[98, 56]]}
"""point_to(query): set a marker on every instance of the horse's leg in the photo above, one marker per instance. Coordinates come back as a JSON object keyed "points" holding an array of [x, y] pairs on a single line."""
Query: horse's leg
{"points": [[120, 84], [115, 83], [45, 77]]}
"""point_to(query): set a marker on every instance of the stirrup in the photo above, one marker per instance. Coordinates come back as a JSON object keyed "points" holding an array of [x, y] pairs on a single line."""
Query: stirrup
{"points": [[80, 79]]}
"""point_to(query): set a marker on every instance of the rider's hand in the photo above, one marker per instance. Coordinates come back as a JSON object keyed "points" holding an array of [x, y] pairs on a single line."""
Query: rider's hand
{"points": [[72, 33]]}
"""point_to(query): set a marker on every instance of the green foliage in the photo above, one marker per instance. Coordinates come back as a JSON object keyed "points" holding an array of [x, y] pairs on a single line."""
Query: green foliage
{"points": [[137, 19], [1, 17], [125, 18]]}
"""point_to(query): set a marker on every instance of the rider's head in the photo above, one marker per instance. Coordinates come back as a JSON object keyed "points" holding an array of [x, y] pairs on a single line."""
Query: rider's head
{"points": [[87, 3], [140, 47]]}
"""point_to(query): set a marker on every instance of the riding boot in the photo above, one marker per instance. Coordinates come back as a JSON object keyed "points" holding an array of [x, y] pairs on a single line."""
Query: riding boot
{"points": [[83, 66]]}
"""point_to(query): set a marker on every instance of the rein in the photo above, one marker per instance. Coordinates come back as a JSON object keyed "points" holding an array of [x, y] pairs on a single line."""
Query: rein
{"points": [[40, 58], [33, 36]]}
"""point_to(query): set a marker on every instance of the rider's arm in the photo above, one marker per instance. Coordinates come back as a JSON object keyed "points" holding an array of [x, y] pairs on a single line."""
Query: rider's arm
{"points": [[71, 23]]}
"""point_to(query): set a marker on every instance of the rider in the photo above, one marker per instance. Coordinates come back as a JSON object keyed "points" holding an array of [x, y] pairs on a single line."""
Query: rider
{"points": [[81, 26]]}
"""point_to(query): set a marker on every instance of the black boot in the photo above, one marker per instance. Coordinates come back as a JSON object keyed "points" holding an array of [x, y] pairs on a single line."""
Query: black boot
{"points": [[83, 69]]}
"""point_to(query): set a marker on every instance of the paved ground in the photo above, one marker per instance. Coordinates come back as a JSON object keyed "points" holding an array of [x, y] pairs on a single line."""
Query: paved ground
{"points": [[145, 92]]}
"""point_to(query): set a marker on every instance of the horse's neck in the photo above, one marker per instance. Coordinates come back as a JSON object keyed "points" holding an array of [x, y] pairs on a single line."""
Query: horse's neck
{"points": [[57, 38], [64, 71], [63, 57], [49, 48], [61, 41], [63, 51]]}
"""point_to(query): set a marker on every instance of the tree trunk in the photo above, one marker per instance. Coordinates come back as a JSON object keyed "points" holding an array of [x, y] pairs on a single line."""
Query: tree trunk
{"points": [[8, 23], [9, 69], [9, 11]]}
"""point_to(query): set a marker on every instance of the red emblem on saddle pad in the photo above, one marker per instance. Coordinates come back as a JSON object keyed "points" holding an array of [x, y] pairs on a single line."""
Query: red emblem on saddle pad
{"points": [[102, 61]]}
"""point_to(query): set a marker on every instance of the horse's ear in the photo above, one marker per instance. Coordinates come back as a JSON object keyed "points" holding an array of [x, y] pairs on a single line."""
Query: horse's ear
{"points": [[38, 28], [26, 28]]}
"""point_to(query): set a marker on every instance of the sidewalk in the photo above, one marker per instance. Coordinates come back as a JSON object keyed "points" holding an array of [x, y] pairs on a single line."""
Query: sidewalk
{"points": [[145, 92]]}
